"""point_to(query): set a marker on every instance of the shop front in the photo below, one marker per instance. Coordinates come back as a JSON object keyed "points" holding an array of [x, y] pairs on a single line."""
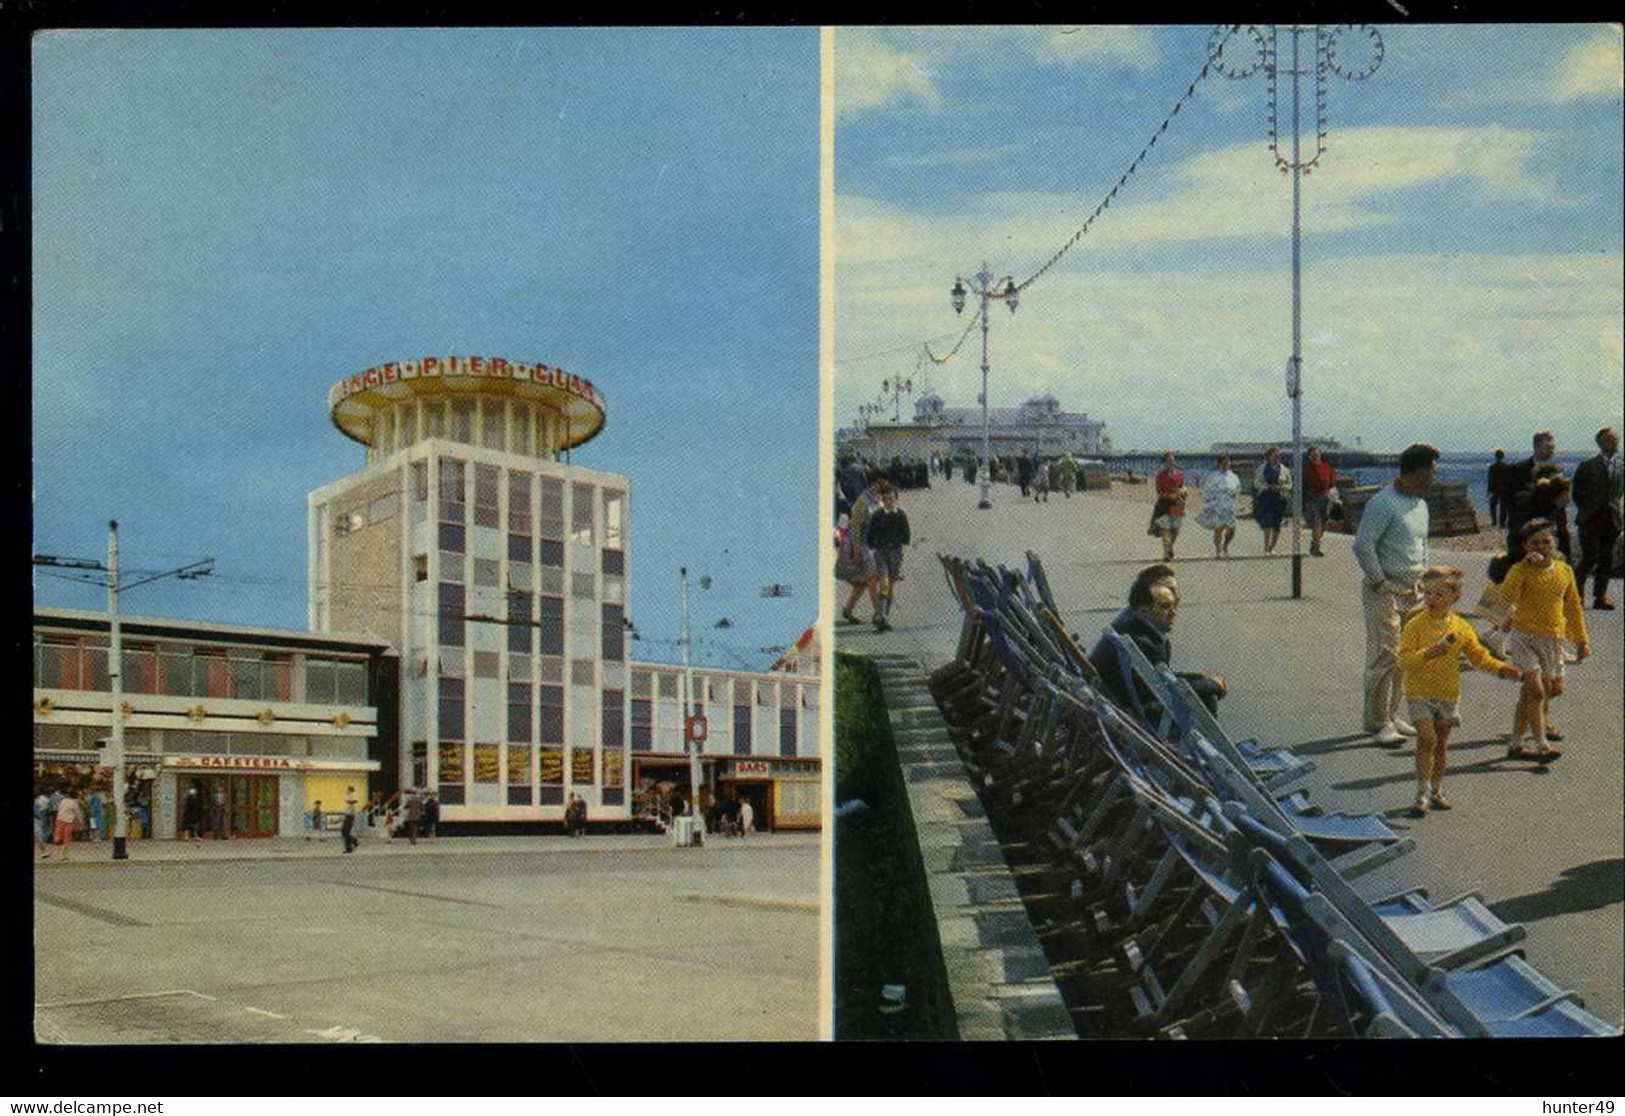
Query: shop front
{"points": [[783, 793], [257, 796]]}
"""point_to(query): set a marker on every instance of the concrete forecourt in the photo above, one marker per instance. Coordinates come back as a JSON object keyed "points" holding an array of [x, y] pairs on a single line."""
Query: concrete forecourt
{"points": [[1543, 846], [472, 939]]}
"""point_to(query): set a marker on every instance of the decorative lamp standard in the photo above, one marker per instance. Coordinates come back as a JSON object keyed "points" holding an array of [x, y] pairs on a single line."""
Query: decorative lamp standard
{"points": [[896, 389], [985, 288], [1353, 52]]}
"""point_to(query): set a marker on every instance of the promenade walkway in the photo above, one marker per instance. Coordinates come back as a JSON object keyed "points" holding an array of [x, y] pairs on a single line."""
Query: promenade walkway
{"points": [[1544, 847]]}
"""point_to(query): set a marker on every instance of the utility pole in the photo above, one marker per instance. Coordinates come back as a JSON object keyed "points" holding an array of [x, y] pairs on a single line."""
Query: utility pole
{"points": [[115, 659]]}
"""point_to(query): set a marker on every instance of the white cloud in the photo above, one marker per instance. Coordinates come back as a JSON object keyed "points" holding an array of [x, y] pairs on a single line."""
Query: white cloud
{"points": [[1594, 68], [1130, 47], [869, 74], [959, 157]]}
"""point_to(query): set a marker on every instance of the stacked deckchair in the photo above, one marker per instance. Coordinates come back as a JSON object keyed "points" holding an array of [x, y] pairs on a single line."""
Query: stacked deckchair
{"points": [[1189, 886]]}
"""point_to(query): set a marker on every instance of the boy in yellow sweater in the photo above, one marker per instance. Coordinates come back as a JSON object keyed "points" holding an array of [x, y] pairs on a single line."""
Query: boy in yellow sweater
{"points": [[1545, 610], [1430, 649]]}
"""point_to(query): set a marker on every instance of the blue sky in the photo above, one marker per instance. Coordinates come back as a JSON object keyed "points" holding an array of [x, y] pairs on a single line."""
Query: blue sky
{"points": [[1462, 247], [226, 223]]}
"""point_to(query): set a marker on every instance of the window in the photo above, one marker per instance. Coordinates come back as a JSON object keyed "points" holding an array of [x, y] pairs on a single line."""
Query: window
{"points": [[462, 421], [787, 731], [519, 711], [420, 482], [519, 551], [583, 586], [451, 762], [614, 519], [742, 724], [519, 521], [614, 721], [434, 419], [550, 668], [550, 553], [420, 567], [581, 766], [581, 672], [485, 496], [319, 684], [551, 523], [350, 683], [521, 632], [668, 685], [451, 712], [550, 766], [420, 763], [487, 763], [452, 508], [493, 421], [486, 664], [550, 714], [453, 538], [642, 724], [486, 571], [614, 634], [614, 768], [613, 562], [581, 513], [521, 429], [451, 614], [519, 765], [550, 625]]}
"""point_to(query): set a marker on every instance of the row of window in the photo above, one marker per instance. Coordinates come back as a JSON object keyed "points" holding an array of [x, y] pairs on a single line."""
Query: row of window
{"points": [[186, 742], [70, 663], [506, 425], [591, 508], [522, 763]]}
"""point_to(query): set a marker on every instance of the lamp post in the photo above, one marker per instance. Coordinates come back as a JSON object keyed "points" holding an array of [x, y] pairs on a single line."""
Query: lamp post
{"points": [[895, 389], [985, 288], [1329, 45]]}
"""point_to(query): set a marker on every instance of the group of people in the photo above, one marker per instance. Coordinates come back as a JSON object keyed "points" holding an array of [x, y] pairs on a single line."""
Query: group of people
{"points": [[870, 534], [60, 819], [1220, 489], [1415, 642]]}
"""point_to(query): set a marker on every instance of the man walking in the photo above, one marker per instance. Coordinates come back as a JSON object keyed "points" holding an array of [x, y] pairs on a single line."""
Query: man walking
{"points": [[1391, 546], [348, 829], [1496, 482], [1521, 477], [217, 812], [414, 815], [1597, 499]]}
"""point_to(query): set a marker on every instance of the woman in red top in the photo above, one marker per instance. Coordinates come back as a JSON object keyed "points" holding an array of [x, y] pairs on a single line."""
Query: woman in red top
{"points": [[1319, 478], [1168, 514]]}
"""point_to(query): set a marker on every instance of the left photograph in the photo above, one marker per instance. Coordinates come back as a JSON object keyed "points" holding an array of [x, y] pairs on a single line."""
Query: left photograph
{"points": [[425, 496]]}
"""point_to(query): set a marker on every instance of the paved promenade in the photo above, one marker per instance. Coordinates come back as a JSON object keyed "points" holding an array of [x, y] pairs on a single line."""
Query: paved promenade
{"points": [[1542, 846]]}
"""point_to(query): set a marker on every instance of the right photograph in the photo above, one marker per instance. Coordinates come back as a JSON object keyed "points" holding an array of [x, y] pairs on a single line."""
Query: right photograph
{"points": [[1227, 540]]}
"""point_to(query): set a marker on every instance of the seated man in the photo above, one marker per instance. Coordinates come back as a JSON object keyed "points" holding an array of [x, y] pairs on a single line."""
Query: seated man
{"points": [[1153, 601]]}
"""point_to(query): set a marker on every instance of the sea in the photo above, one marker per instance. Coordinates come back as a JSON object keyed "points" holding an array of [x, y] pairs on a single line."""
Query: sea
{"points": [[1470, 467]]}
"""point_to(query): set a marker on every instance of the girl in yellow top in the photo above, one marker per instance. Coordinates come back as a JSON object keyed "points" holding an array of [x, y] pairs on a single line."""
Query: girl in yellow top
{"points": [[1430, 649], [1545, 611]]}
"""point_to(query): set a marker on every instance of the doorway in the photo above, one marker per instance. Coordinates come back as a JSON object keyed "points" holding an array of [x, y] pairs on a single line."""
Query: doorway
{"points": [[253, 806]]}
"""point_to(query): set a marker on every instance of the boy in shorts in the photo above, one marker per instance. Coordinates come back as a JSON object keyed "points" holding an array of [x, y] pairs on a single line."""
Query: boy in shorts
{"points": [[886, 535], [1545, 611], [1431, 646]]}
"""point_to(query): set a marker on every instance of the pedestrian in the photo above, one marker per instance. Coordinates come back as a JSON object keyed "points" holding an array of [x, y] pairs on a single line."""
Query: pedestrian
{"points": [[1547, 498], [413, 807], [1168, 513], [1041, 483], [348, 830], [1271, 487], [50, 812], [94, 809], [1598, 485], [747, 818], [854, 563], [42, 827], [1153, 605], [217, 810], [192, 816], [1545, 611], [1218, 514], [1024, 473], [886, 535], [70, 820], [1319, 478], [1391, 546], [1431, 648], [581, 816], [431, 816], [1525, 473], [1499, 473]]}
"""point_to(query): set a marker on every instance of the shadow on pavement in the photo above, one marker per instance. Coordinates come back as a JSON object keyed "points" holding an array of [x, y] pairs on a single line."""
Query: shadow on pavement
{"points": [[1496, 765], [1585, 887], [1333, 744]]}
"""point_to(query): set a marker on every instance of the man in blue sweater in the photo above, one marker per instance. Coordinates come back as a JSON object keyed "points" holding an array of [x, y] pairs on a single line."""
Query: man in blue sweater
{"points": [[1391, 546]]}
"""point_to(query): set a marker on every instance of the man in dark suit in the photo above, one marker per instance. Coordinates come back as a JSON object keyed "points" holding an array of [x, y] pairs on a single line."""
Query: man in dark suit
{"points": [[1500, 498], [1153, 601], [1597, 509], [1523, 475]]}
